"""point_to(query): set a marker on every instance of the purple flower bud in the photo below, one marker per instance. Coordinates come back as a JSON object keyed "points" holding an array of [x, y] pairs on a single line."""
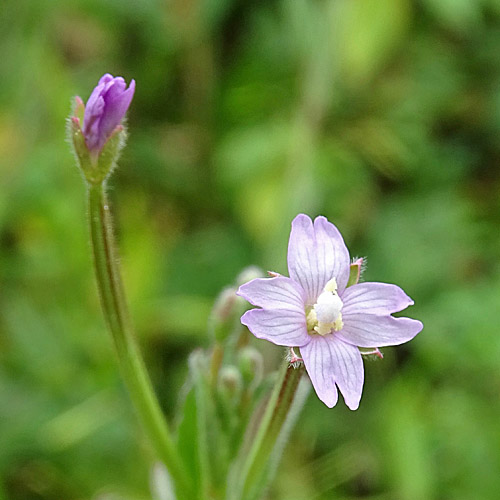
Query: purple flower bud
{"points": [[105, 110]]}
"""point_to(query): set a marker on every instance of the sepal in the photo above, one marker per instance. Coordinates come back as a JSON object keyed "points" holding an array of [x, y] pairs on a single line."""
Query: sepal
{"points": [[79, 109], [77, 141], [355, 271], [95, 166], [107, 158]]}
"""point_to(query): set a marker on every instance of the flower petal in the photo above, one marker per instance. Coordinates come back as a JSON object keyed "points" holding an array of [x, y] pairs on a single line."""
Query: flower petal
{"points": [[316, 254], [274, 293], [92, 101], [280, 326], [332, 361], [105, 109], [348, 369], [118, 100], [370, 330], [374, 298], [318, 362]]}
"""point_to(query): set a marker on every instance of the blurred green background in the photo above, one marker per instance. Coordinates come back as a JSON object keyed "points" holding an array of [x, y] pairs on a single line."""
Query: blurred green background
{"points": [[383, 115]]}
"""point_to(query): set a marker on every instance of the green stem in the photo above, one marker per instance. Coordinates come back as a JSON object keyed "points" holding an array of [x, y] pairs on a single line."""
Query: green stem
{"points": [[131, 363], [276, 412]]}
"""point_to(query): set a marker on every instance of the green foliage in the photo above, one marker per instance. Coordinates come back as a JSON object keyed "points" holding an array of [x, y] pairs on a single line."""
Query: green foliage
{"points": [[383, 115]]}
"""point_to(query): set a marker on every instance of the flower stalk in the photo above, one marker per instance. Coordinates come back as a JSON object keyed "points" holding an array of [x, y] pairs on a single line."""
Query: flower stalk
{"points": [[278, 408], [116, 315]]}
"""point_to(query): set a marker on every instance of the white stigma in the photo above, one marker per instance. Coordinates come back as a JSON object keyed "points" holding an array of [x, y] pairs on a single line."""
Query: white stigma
{"points": [[326, 315], [328, 307]]}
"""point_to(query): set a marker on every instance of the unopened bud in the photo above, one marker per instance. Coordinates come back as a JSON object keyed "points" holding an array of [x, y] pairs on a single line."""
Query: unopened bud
{"points": [[251, 365], [248, 274], [95, 130], [224, 314], [230, 383]]}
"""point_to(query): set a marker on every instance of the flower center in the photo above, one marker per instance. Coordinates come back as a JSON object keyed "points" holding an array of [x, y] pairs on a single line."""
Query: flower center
{"points": [[326, 315]]}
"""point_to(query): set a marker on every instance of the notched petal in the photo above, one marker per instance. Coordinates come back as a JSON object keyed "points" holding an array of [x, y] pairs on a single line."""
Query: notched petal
{"points": [[348, 370], [330, 363], [333, 256], [318, 364], [316, 254]]}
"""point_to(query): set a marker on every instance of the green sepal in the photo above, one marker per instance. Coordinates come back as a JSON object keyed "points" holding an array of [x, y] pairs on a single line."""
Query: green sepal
{"points": [[107, 158], [79, 110], [77, 140], [355, 271], [95, 168]]}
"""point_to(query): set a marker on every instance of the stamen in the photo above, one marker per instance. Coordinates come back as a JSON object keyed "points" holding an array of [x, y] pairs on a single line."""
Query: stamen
{"points": [[326, 315], [375, 352], [311, 319]]}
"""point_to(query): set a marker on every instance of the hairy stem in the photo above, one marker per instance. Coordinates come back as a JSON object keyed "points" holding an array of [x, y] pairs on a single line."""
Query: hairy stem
{"points": [[131, 363]]}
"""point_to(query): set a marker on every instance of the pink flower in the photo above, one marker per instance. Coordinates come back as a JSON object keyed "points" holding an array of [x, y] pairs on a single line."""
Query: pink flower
{"points": [[315, 311]]}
